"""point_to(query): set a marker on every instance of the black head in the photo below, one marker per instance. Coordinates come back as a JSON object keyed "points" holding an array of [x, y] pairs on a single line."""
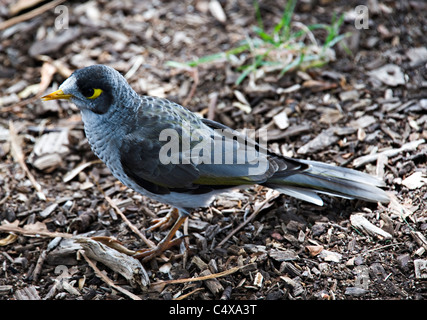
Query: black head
{"points": [[95, 88]]}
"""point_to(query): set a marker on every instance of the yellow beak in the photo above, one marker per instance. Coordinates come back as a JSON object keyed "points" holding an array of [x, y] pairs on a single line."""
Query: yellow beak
{"points": [[58, 94]]}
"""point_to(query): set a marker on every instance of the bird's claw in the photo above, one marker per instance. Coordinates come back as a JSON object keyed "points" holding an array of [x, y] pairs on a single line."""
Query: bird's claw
{"points": [[148, 254], [165, 244], [165, 222]]}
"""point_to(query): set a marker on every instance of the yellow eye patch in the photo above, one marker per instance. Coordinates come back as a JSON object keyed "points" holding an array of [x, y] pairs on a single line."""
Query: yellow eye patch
{"points": [[93, 93]]}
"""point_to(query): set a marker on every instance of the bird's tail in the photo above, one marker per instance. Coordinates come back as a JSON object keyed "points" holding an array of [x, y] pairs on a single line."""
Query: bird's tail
{"points": [[327, 179]]}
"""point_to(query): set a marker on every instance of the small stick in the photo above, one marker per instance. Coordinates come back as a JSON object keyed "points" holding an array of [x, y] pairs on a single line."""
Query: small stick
{"points": [[39, 265], [29, 15], [11, 227], [194, 74], [19, 157], [131, 226], [250, 218], [388, 153], [185, 296], [125, 219], [213, 99], [202, 278]]}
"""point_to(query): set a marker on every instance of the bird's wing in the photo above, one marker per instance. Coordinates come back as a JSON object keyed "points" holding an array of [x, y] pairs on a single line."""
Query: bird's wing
{"points": [[139, 156], [234, 159], [207, 157]]}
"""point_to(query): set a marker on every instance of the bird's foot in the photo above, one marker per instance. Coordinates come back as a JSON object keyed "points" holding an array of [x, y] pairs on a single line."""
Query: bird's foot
{"points": [[165, 222], [148, 254], [165, 244]]}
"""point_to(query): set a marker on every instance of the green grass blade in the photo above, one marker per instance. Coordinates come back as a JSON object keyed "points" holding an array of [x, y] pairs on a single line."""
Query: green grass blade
{"points": [[263, 35], [285, 23], [293, 64], [333, 29], [175, 64], [337, 39], [301, 43], [258, 15], [244, 74], [207, 59]]}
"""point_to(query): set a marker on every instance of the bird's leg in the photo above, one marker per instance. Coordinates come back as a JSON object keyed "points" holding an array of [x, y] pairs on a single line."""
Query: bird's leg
{"points": [[166, 243], [165, 222]]}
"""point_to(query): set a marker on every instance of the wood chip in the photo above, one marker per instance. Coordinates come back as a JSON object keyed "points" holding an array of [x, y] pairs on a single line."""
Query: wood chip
{"points": [[73, 173], [107, 280], [417, 56], [48, 210], [420, 266], [280, 255], [129, 267], [11, 238], [349, 95], [330, 256], [363, 122], [258, 279], [295, 283], [415, 181], [49, 45], [390, 74], [355, 291], [281, 120], [49, 150], [27, 293], [360, 222], [217, 11], [213, 284], [323, 140]]}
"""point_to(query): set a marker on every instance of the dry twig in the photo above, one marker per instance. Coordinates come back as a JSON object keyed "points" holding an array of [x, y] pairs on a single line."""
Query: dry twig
{"points": [[388, 153], [125, 219], [13, 227], [19, 157], [273, 195], [29, 15], [202, 278]]}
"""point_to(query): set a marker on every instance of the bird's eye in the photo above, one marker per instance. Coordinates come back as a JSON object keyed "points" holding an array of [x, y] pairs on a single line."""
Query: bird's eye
{"points": [[92, 93]]}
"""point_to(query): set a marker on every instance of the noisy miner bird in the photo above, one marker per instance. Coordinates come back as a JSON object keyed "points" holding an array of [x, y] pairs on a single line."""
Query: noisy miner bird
{"points": [[168, 153]]}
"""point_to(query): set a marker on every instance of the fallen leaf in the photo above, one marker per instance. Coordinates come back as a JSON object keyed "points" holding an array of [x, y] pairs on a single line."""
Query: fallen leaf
{"points": [[37, 227], [314, 250]]}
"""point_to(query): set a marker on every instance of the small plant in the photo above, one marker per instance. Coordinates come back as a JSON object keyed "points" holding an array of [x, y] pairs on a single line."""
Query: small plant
{"points": [[289, 46]]}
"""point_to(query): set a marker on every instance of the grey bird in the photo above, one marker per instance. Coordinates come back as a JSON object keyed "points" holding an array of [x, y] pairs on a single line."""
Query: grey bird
{"points": [[168, 153]]}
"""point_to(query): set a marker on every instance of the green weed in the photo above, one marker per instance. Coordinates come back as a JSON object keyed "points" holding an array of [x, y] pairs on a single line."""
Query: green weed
{"points": [[289, 46]]}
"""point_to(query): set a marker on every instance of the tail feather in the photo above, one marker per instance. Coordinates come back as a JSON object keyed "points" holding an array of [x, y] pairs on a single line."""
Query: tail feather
{"points": [[327, 179]]}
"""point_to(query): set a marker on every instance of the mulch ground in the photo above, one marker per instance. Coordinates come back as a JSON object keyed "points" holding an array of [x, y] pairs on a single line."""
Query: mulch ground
{"points": [[364, 110]]}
